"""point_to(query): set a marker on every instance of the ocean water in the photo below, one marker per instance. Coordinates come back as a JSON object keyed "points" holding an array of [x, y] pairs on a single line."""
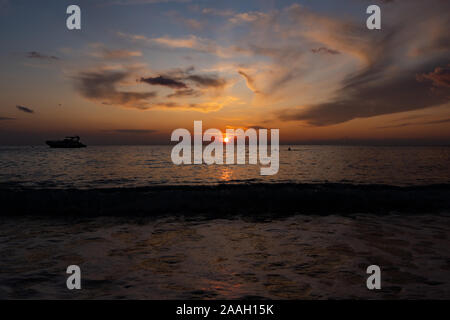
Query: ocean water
{"points": [[226, 241], [299, 257], [139, 166]]}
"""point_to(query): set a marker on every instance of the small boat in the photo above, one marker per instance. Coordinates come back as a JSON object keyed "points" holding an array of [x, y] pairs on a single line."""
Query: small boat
{"points": [[68, 142], [289, 149]]}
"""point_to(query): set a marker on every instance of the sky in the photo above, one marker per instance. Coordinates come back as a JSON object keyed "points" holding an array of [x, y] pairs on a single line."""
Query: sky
{"points": [[139, 69]]}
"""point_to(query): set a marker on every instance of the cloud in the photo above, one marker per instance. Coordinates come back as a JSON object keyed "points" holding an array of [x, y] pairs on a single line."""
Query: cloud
{"points": [[6, 118], [164, 81], [102, 86], [440, 77], [184, 78], [101, 51], [25, 109], [256, 127], [249, 80], [188, 86], [247, 17], [236, 17], [358, 82], [185, 93], [373, 73], [191, 23], [386, 80], [120, 54], [315, 67], [133, 131], [324, 50], [38, 55], [364, 96], [206, 81], [203, 107], [218, 12], [407, 124], [190, 42]]}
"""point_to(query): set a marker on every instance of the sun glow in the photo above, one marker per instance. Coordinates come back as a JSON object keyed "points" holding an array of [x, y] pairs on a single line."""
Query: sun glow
{"points": [[226, 139]]}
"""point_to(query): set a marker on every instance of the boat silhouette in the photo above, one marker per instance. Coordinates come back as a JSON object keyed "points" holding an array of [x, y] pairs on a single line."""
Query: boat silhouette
{"points": [[68, 142]]}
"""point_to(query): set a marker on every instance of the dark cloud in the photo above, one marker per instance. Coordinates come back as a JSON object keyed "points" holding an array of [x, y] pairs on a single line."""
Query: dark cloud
{"points": [[250, 81], [184, 82], [440, 77], [366, 96], [37, 55], [25, 109], [324, 50], [102, 85], [407, 124], [134, 131], [185, 93], [256, 127], [205, 107], [6, 118], [181, 78], [390, 60], [207, 81], [164, 81], [384, 85]]}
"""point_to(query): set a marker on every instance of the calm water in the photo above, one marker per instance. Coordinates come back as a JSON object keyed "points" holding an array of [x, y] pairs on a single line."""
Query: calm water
{"points": [[136, 166]]}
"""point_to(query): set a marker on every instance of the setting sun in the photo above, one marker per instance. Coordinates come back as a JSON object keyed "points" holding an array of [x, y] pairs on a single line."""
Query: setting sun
{"points": [[226, 139]]}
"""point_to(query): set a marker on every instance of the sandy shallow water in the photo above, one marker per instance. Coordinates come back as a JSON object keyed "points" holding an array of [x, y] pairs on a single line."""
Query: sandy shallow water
{"points": [[299, 257]]}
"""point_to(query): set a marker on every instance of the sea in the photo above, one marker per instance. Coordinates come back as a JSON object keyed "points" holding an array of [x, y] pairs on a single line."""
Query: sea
{"points": [[141, 166], [140, 227]]}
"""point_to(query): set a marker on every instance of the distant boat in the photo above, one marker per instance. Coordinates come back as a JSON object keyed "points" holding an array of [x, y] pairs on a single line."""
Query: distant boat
{"points": [[289, 149], [68, 142]]}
